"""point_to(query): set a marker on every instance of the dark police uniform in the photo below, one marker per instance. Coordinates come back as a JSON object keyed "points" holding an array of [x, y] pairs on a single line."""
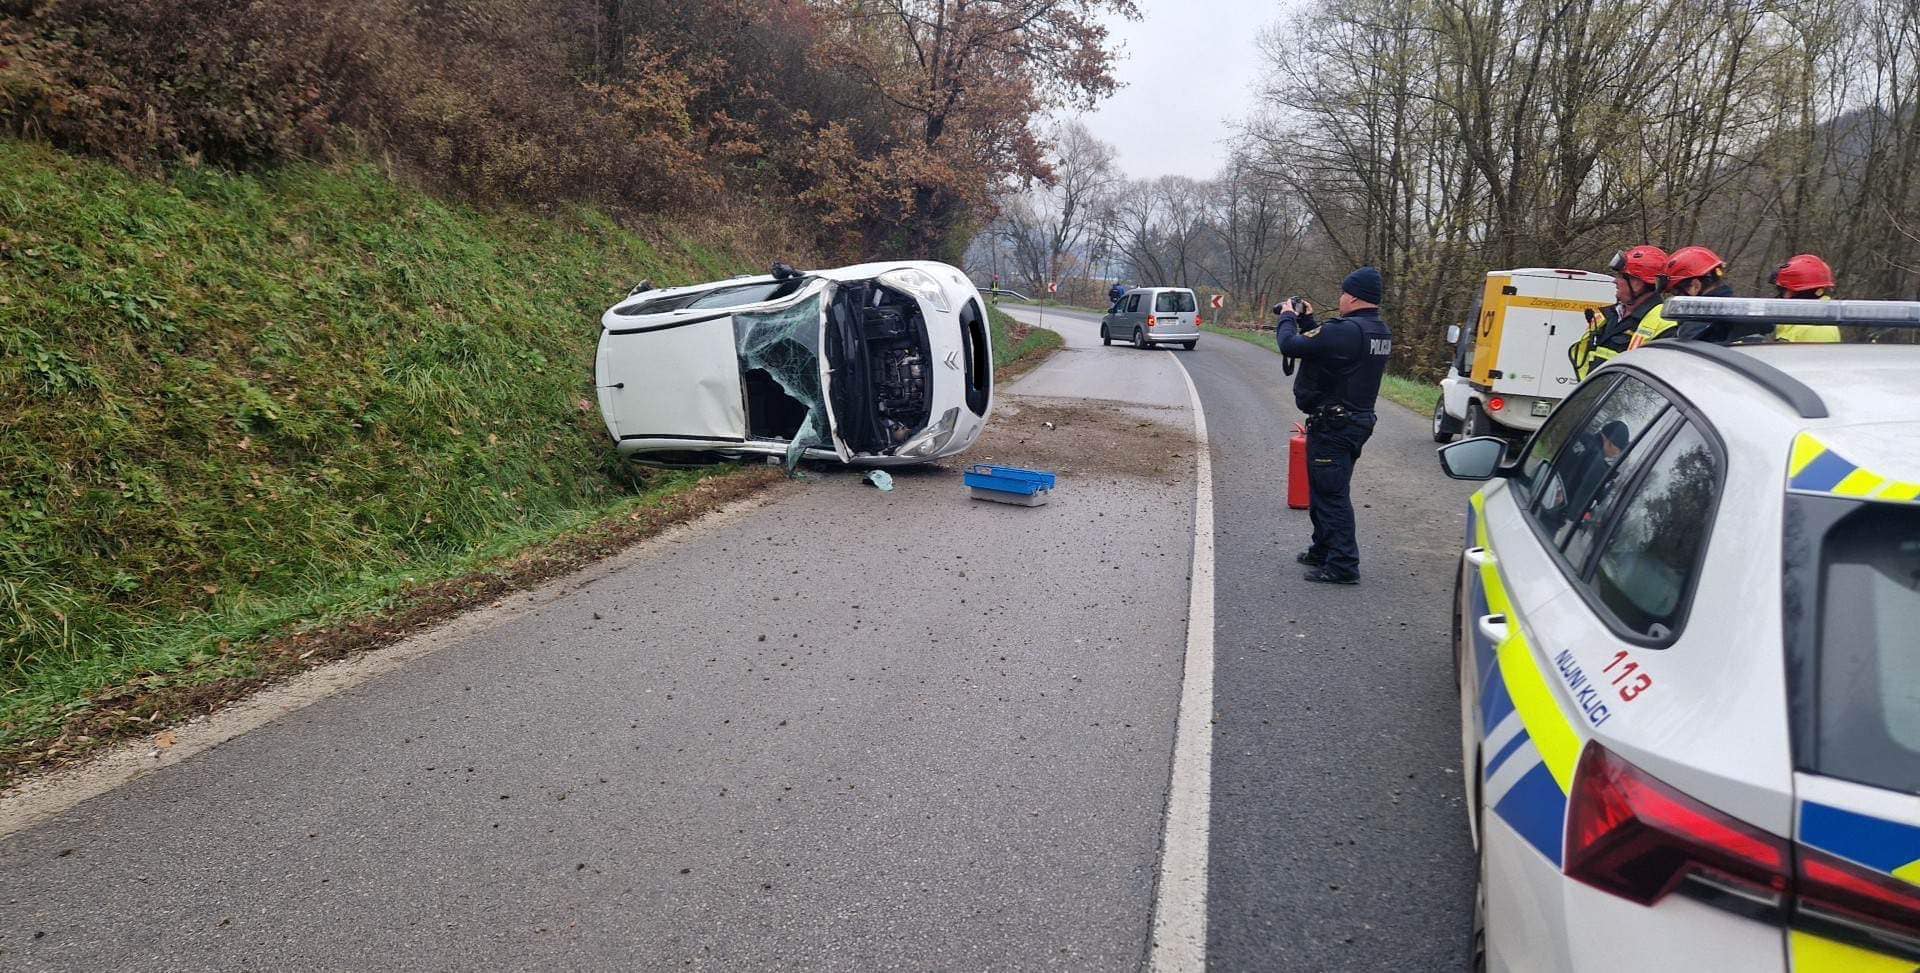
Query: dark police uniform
{"points": [[1341, 364]]}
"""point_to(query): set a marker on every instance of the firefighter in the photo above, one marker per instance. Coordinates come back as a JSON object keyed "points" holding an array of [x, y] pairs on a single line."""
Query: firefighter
{"points": [[1805, 276], [1693, 272], [1636, 288]]}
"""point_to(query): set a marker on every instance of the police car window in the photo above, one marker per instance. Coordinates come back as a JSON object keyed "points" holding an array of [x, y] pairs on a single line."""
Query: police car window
{"points": [[1567, 497], [1869, 671], [1577, 538], [1559, 427], [1647, 564], [1173, 302]]}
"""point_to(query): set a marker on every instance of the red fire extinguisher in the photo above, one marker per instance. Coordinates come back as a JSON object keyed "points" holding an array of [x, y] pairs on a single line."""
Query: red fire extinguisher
{"points": [[1297, 492]]}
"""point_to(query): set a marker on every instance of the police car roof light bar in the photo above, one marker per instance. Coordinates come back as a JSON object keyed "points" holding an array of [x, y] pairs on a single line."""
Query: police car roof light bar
{"points": [[1773, 310]]}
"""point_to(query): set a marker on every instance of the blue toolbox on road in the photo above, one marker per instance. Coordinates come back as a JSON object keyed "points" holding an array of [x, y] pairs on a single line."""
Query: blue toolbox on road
{"points": [[1009, 484]]}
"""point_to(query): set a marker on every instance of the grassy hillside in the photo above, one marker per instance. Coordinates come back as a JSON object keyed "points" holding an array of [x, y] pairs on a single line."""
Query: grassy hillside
{"points": [[233, 402]]}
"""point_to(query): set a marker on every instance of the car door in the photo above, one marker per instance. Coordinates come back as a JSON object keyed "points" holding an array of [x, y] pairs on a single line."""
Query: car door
{"points": [[1536, 707], [1504, 569]]}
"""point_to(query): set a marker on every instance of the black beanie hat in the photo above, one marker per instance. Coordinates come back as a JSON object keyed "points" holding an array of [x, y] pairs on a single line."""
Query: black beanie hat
{"points": [[1363, 284]]}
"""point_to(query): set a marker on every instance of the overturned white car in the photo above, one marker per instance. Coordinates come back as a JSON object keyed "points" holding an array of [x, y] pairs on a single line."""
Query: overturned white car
{"points": [[880, 364]]}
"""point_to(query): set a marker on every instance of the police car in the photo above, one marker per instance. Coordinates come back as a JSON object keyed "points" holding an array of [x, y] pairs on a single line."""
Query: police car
{"points": [[1688, 640]]}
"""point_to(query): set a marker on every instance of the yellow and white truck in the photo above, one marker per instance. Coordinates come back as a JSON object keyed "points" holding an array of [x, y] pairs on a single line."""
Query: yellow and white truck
{"points": [[1511, 364]]}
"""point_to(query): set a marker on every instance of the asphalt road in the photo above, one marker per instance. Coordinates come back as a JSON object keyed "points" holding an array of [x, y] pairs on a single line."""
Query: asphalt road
{"points": [[848, 730], [1338, 834]]}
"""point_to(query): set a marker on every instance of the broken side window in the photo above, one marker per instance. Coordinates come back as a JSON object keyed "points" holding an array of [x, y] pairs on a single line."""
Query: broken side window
{"points": [[780, 359]]}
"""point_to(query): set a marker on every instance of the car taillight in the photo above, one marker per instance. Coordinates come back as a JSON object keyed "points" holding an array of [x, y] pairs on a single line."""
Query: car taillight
{"points": [[1833, 890], [1198, 319], [1496, 403], [1637, 838], [1151, 321], [1633, 836]]}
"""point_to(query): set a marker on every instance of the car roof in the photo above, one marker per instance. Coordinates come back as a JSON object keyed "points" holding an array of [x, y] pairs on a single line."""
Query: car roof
{"points": [[1870, 394]]}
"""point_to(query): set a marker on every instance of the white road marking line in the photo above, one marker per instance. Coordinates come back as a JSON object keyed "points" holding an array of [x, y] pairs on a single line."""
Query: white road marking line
{"points": [[1180, 899]]}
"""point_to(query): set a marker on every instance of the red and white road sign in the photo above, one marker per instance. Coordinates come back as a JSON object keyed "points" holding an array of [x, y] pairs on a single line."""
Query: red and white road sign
{"points": [[1217, 302], [1053, 286]]}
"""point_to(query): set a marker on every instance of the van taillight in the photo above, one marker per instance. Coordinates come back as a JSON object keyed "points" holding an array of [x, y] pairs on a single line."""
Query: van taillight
{"points": [[1151, 321], [1198, 319], [1633, 836], [1637, 838]]}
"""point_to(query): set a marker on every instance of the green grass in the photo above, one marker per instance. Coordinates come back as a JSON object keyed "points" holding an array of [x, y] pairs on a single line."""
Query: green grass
{"points": [[234, 404], [1006, 351], [1417, 396]]}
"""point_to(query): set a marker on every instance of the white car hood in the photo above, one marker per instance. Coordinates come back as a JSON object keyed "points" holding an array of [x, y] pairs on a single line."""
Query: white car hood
{"points": [[681, 382]]}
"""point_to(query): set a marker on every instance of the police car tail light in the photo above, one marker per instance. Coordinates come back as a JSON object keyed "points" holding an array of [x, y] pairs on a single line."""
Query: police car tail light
{"points": [[1635, 837], [1833, 891]]}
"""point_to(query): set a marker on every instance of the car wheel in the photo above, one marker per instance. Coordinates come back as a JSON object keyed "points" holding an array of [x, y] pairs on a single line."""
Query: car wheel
{"points": [[1477, 945], [1139, 338], [1445, 427], [1477, 422], [1188, 345], [1105, 338]]}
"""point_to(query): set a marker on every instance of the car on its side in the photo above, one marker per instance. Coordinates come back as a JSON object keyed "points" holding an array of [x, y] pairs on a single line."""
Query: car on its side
{"points": [[1149, 316], [1685, 630], [877, 364]]}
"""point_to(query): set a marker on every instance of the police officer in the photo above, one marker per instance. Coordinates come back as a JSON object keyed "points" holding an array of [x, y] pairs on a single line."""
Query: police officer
{"points": [[1341, 364], [1636, 288]]}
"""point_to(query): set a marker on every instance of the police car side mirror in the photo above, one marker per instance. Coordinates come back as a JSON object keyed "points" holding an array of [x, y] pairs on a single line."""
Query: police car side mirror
{"points": [[1474, 459], [1453, 334]]}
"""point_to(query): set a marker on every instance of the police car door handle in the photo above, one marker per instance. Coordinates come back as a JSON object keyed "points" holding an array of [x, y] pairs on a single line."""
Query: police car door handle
{"points": [[1479, 557], [1494, 628]]}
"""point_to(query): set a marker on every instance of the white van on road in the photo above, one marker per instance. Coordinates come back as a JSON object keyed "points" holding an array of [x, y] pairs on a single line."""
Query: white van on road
{"points": [[1149, 316]]}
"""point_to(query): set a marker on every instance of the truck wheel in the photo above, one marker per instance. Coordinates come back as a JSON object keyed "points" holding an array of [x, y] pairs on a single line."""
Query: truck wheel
{"points": [[1445, 427], [1105, 338], [1477, 422]]}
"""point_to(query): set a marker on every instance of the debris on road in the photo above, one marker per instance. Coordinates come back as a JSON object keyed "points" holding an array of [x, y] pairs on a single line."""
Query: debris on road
{"points": [[1009, 484], [881, 479]]}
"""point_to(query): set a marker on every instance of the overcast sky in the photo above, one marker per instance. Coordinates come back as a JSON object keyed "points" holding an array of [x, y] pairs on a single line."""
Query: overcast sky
{"points": [[1188, 72]]}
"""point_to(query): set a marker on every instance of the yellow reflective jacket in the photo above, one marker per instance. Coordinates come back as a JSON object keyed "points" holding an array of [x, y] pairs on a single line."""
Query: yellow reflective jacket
{"points": [[1812, 334]]}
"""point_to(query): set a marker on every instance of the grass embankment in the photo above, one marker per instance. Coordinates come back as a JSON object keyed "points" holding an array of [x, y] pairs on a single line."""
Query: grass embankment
{"points": [[236, 405], [1017, 347], [1417, 396]]}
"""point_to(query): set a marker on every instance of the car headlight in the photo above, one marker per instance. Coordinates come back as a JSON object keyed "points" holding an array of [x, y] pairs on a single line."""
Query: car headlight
{"points": [[935, 439], [920, 284]]}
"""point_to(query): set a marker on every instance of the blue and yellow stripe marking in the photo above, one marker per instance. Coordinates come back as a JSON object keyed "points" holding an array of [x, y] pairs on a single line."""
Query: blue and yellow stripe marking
{"points": [[1879, 844], [1513, 685], [1815, 468]]}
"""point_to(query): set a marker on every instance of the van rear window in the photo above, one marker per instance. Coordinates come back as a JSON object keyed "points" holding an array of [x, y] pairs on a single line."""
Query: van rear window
{"points": [[1173, 302], [1866, 694]]}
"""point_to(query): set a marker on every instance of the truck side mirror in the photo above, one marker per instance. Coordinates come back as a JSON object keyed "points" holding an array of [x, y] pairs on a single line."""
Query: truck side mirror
{"points": [[1453, 334]]}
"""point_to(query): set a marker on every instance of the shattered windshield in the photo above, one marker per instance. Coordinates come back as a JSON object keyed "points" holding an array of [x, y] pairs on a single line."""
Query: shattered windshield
{"points": [[784, 347]]}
